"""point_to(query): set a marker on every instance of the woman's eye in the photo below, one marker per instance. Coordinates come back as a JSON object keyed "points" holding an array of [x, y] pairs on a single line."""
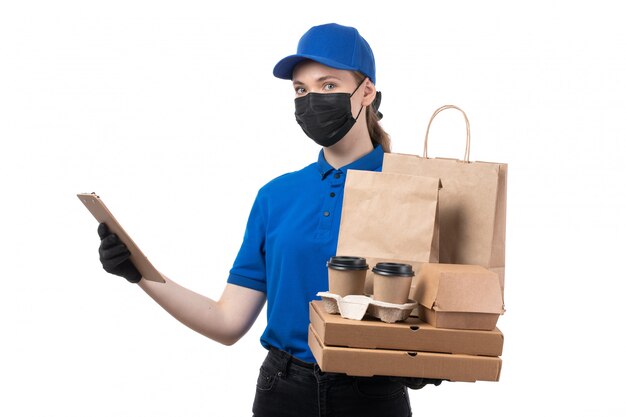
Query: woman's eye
{"points": [[300, 90], [329, 86]]}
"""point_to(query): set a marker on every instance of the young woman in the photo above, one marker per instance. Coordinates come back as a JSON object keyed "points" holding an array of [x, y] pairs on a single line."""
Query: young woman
{"points": [[291, 232]]}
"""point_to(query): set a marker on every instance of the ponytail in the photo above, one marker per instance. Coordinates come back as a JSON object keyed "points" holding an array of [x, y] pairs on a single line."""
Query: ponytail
{"points": [[376, 131]]}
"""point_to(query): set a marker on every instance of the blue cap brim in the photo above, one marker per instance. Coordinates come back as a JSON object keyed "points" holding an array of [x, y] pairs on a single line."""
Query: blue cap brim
{"points": [[284, 68]]}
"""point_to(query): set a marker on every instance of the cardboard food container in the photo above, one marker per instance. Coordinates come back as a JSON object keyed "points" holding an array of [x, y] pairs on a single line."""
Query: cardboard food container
{"points": [[410, 335], [370, 362], [459, 296]]}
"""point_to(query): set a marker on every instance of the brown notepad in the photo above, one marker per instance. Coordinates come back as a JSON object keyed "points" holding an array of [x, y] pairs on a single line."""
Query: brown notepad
{"points": [[100, 211]]}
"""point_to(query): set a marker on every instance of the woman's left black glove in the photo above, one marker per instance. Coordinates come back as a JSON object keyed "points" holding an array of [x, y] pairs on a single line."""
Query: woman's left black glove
{"points": [[114, 255]]}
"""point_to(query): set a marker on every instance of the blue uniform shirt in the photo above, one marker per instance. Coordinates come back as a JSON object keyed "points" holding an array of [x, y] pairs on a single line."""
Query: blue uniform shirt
{"points": [[291, 232]]}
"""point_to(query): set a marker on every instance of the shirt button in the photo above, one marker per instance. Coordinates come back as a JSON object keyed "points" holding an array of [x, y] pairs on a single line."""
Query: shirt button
{"points": [[326, 213], [332, 194], [338, 175]]}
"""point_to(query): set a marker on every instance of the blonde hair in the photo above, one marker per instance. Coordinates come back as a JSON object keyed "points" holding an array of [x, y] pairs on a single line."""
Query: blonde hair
{"points": [[375, 130]]}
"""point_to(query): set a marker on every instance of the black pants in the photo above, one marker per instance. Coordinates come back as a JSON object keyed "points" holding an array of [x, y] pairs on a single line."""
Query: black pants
{"points": [[289, 387]]}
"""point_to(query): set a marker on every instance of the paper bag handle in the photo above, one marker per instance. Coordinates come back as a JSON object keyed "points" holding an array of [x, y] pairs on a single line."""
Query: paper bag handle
{"points": [[467, 127]]}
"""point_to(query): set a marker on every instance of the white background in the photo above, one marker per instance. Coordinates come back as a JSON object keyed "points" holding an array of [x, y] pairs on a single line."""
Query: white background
{"points": [[170, 112]]}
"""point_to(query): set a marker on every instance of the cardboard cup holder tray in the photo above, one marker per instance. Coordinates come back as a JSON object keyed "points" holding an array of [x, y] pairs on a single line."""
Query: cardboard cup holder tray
{"points": [[356, 306]]}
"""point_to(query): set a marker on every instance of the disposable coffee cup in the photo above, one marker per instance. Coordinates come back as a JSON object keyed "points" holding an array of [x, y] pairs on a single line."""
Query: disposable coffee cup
{"points": [[346, 275], [392, 282]]}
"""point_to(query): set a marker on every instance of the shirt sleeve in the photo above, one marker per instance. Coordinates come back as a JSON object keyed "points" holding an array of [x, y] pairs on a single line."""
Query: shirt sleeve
{"points": [[249, 267]]}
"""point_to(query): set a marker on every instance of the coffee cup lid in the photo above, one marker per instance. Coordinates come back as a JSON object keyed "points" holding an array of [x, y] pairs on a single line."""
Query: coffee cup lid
{"points": [[347, 263], [393, 269]]}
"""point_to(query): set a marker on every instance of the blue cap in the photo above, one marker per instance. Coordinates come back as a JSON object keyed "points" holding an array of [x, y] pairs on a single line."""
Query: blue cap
{"points": [[334, 45]]}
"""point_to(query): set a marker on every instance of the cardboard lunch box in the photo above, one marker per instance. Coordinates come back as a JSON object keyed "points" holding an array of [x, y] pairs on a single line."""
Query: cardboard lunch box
{"points": [[370, 362], [458, 296], [410, 335]]}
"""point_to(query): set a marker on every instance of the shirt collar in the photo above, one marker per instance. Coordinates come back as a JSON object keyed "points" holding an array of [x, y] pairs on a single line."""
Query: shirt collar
{"points": [[368, 162]]}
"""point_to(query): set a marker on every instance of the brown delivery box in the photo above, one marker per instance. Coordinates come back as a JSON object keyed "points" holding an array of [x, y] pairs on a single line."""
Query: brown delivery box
{"points": [[370, 362], [410, 335], [459, 296]]}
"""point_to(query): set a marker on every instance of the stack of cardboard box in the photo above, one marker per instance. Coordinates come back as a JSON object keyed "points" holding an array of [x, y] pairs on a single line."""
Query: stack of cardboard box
{"points": [[454, 339]]}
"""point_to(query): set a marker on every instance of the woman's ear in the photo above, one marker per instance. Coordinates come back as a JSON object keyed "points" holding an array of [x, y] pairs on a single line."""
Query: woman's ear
{"points": [[369, 93]]}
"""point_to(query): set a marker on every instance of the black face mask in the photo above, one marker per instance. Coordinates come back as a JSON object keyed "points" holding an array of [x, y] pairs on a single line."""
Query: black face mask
{"points": [[326, 117]]}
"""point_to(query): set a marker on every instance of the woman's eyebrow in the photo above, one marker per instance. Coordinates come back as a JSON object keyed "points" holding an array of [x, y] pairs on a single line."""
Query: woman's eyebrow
{"points": [[328, 77], [319, 80]]}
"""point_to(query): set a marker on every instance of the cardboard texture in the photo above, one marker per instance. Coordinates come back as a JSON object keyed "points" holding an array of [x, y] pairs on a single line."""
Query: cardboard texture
{"points": [[472, 204], [459, 296], [389, 218], [346, 282], [392, 289], [355, 307], [370, 362], [410, 335]]}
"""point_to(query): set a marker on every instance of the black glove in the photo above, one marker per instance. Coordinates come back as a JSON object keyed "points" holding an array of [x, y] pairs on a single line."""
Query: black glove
{"points": [[416, 383], [114, 255]]}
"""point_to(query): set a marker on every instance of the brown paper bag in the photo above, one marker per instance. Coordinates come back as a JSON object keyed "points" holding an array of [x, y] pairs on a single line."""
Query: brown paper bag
{"points": [[389, 217], [472, 203]]}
